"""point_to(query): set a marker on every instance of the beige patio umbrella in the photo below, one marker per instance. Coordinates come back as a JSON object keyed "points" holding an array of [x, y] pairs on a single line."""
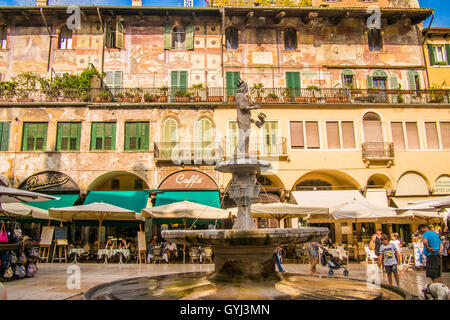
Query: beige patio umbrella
{"points": [[19, 209], [98, 211], [280, 211]]}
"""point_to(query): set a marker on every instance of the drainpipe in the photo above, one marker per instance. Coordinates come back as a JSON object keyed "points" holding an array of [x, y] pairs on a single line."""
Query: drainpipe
{"points": [[103, 43], [424, 53], [50, 39], [221, 51]]}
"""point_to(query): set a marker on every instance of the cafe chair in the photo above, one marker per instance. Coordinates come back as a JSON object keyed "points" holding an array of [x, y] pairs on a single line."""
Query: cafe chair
{"points": [[370, 254], [207, 255], [157, 255], [194, 254]]}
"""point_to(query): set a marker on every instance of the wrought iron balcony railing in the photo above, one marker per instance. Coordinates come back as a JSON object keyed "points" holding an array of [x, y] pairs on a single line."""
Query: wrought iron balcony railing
{"points": [[268, 147], [194, 153], [378, 151], [309, 95]]}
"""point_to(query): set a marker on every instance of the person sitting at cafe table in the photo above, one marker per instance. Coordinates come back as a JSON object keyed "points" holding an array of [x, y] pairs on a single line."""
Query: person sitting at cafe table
{"points": [[110, 244], [171, 249], [124, 244]]}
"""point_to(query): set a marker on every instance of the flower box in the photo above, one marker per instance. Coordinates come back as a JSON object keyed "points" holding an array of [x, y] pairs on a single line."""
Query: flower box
{"points": [[163, 99], [287, 99], [182, 99], [258, 99], [272, 100], [215, 99], [301, 99], [197, 99]]}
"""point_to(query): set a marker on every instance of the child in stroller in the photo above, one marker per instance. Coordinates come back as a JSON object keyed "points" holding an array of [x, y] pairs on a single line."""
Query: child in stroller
{"points": [[332, 262]]}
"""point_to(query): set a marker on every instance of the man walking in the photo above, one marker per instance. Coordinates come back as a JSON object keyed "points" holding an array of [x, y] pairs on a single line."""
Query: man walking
{"points": [[390, 258], [433, 250]]}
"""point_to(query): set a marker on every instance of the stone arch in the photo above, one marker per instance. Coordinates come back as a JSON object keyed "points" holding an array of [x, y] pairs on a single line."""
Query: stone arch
{"points": [[379, 181], [328, 180], [127, 182], [412, 183]]}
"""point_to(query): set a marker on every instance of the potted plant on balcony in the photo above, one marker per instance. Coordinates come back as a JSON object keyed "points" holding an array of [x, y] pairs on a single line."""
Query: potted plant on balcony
{"points": [[215, 98], [288, 94], [231, 99], [271, 98], [137, 95], [196, 88], [182, 96], [129, 96], [354, 90], [7, 90], [164, 93], [150, 97], [315, 90], [258, 89], [104, 96]]}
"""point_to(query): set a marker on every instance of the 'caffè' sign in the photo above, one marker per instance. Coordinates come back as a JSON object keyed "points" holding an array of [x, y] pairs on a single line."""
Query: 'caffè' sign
{"points": [[188, 180], [50, 181]]}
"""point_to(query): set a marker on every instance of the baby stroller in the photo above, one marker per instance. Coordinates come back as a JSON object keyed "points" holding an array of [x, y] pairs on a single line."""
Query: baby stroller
{"points": [[332, 262]]}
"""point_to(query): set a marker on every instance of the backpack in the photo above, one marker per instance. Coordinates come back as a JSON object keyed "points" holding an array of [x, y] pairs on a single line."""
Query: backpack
{"points": [[19, 271], [31, 270], [22, 259], [8, 273], [33, 256]]}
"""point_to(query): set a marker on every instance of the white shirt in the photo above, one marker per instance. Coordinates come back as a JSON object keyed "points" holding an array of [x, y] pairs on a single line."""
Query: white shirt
{"points": [[397, 244]]}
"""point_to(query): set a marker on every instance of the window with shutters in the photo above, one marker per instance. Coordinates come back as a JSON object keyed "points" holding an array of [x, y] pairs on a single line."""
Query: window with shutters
{"points": [[412, 135], [348, 79], [137, 136], [114, 35], [445, 134], [34, 136], [290, 39], [113, 81], [178, 37], [65, 38], [3, 36], [103, 136], [232, 78], [297, 135], [440, 54], [398, 136], [375, 40], [68, 136], [413, 80], [170, 137], [271, 144], [432, 135], [312, 135], [4, 136], [333, 139], [232, 38], [204, 139], [178, 82], [293, 83]]}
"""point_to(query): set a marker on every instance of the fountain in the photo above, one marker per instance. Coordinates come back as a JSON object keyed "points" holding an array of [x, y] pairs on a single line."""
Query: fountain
{"points": [[244, 256]]}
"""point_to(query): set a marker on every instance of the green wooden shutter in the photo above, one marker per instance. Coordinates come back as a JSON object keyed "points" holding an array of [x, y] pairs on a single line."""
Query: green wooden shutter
{"points": [[146, 136], [394, 82], [411, 81], [127, 136], [447, 50], [232, 77], [119, 35], [4, 141], [118, 79], [106, 35], [93, 135], [190, 37], [59, 134], [109, 79], [431, 55], [113, 136], [183, 80], [25, 137], [78, 136], [293, 82], [44, 128], [167, 37], [369, 82]]}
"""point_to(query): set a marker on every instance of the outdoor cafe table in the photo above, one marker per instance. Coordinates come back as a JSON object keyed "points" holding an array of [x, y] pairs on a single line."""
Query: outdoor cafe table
{"points": [[108, 253], [78, 252]]}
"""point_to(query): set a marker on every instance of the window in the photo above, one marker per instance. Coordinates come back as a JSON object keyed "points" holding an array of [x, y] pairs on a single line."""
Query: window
{"points": [[138, 184], [348, 79], [432, 135], [297, 138], [232, 38], [34, 136], [333, 135], [68, 136], [374, 39], [312, 135], [103, 136], [65, 39], [293, 83], [170, 137], [115, 184], [4, 136], [113, 80], [290, 39], [3, 34], [413, 80], [412, 135], [178, 82], [178, 38], [398, 137], [270, 138], [136, 136], [232, 78], [439, 54], [372, 128], [204, 139], [114, 35], [348, 135], [445, 134]]}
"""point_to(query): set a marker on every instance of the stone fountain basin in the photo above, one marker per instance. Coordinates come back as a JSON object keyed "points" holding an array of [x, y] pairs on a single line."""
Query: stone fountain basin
{"points": [[237, 237]]}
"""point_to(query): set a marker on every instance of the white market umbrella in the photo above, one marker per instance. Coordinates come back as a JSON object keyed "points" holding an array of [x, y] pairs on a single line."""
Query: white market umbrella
{"points": [[185, 210], [435, 204], [24, 210], [11, 195], [98, 211]]}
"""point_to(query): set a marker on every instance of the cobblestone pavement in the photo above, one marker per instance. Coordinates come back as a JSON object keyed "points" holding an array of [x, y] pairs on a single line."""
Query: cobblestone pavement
{"points": [[51, 280]]}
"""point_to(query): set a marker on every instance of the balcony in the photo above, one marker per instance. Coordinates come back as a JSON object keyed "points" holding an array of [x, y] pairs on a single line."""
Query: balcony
{"points": [[378, 152], [208, 95], [275, 148], [187, 153]]}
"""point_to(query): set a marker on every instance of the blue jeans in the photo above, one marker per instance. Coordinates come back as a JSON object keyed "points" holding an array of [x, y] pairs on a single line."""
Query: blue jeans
{"points": [[277, 259]]}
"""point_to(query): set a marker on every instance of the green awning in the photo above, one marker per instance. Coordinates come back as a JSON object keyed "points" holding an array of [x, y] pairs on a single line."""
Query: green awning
{"points": [[131, 200], [207, 198], [67, 200]]}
